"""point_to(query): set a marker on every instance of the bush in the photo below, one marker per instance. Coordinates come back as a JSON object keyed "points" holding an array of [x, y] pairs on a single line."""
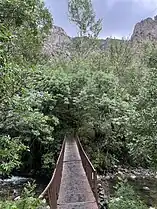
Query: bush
{"points": [[26, 201], [126, 198]]}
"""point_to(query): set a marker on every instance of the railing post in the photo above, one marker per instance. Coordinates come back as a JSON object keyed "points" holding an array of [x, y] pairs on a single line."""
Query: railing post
{"points": [[95, 186]]}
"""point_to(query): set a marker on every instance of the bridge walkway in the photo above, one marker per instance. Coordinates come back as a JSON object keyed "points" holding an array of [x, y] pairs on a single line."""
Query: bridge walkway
{"points": [[74, 181], [75, 191]]}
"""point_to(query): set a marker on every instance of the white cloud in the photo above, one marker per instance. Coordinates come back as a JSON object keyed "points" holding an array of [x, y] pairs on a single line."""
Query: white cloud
{"points": [[149, 4], [115, 35]]}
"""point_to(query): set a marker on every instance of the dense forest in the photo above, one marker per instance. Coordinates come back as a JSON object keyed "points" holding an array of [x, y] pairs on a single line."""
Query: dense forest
{"points": [[106, 97]]}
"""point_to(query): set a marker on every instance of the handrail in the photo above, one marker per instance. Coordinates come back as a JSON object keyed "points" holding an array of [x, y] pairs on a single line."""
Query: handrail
{"points": [[89, 169], [52, 190]]}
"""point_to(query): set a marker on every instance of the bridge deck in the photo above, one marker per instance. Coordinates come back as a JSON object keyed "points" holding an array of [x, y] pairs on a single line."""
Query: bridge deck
{"points": [[75, 191]]}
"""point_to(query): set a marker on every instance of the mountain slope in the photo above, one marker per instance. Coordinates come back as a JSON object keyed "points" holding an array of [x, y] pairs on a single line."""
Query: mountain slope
{"points": [[58, 43], [145, 30]]}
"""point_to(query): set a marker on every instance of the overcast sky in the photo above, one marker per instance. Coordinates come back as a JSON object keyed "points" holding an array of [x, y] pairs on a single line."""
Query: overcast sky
{"points": [[119, 16]]}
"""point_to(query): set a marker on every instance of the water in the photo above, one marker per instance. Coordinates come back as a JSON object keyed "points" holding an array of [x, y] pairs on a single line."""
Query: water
{"points": [[7, 186]]}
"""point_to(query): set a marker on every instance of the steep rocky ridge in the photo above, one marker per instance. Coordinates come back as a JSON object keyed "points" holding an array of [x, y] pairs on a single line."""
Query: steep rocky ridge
{"points": [[145, 30], [59, 43]]}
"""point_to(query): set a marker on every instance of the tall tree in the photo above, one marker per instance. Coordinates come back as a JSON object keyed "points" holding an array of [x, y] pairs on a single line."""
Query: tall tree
{"points": [[81, 13], [24, 25]]}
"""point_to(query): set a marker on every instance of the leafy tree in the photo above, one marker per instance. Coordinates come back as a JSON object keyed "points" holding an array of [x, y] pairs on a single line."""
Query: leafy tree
{"points": [[24, 24], [143, 122], [108, 98], [27, 23], [10, 154], [82, 14]]}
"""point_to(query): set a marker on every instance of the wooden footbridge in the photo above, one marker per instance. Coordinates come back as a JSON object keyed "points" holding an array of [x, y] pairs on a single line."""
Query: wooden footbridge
{"points": [[74, 181]]}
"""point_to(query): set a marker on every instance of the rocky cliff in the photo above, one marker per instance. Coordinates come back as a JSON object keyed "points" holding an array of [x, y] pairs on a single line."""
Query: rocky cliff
{"points": [[59, 43], [145, 30]]}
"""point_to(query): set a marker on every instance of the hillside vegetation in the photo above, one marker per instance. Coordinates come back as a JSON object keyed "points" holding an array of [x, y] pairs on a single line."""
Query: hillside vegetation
{"points": [[108, 98]]}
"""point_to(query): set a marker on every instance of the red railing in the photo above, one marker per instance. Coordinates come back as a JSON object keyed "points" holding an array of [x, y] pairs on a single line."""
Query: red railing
{"points": [[89, 169], [51, 192]]}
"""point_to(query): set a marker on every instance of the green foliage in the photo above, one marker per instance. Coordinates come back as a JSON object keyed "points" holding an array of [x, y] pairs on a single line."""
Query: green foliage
{"points": [[143, 122], [108, 98], [120, 54], [82, 14], [24, 13], [125, 198], [10, 152], [24, 25], [92, 96], [23, 116], [26, 201], [5, 38]]}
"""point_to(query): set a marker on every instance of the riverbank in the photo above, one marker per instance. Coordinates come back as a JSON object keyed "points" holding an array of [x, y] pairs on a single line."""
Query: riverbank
{"points": [[143, 181]]}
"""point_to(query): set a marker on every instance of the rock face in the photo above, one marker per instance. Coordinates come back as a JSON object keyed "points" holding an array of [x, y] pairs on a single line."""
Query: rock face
{"points": [[145, 30], [57, 42]]}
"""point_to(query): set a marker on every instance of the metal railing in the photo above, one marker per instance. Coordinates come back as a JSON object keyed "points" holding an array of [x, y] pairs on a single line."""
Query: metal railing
{"points": [[89, 169], [51, 192]]}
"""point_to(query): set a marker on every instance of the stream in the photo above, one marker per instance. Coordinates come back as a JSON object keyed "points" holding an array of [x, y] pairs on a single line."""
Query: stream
{"points": [[16, 183], [145, 185]]}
